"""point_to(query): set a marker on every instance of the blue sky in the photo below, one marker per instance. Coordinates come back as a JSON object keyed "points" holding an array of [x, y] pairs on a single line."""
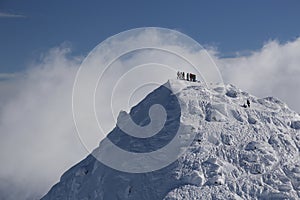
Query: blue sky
{"points": [[231, 26]]}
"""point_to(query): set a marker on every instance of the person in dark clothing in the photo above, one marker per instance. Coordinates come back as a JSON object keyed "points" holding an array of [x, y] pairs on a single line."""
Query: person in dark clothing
{"points": [[248, 103], [183, 77], [187, 76], [192, 77]]}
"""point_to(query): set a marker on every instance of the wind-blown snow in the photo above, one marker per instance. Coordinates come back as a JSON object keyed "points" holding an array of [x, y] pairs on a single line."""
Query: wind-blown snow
{"points": [[238, 153]]}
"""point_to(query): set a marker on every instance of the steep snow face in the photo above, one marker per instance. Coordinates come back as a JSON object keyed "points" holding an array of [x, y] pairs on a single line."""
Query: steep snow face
{"points": [[237, 153]]}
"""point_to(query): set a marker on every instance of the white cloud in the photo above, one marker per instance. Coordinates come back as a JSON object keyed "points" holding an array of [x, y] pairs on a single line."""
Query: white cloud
{"points": [[10, 15], [38, 138], [274, 70]]}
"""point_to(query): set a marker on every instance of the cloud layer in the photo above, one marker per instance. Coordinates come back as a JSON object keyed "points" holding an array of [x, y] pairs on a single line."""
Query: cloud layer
{"points": [[272, 71], [38, 137], [37, 133]]}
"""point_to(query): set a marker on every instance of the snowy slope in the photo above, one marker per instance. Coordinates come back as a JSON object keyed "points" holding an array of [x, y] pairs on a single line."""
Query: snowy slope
{"points": [[238, 153]]}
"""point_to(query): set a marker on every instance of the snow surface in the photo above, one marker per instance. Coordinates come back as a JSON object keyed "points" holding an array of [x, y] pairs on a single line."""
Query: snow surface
{"points": [[238, 153]]}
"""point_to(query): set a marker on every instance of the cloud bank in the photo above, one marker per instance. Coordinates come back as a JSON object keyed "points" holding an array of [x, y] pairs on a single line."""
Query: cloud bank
{"points": [[38, 137], [37, 133], [271, 71]]}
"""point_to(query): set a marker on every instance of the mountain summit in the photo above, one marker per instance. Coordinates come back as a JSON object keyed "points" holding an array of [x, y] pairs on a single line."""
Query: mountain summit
{"points": [[236, 151]]}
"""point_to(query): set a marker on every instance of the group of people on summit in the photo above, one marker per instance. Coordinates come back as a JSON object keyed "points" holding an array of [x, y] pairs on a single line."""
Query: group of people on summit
{"points": [[188, 77], [192, 77]]}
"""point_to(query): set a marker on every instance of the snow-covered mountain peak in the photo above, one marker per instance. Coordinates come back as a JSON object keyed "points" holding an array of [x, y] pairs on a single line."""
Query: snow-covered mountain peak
{"points": [[235, 151]]}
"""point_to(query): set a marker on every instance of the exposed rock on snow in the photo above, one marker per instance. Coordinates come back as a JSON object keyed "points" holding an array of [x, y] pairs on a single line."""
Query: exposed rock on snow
{"points": [[237, 153], [295, 125]]}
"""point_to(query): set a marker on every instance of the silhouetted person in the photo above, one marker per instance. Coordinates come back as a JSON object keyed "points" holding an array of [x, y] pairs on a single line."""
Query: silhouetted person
{"points": [[248, 103], [192, 77], [187, 76]]}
